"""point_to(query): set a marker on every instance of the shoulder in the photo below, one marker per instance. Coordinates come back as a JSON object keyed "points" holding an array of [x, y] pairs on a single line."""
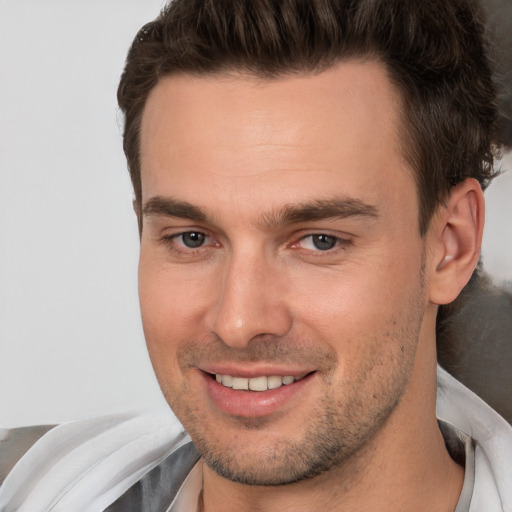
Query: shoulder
{"points": [[86, 464], [491, 436]]}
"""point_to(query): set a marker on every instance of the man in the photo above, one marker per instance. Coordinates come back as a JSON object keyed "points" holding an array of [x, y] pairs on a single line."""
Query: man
{"points": [[308, 186]]}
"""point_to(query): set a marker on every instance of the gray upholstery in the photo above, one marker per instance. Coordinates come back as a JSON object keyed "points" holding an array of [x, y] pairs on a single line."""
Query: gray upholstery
{"points": [[474, 340], [15, 442], [499, 23]]}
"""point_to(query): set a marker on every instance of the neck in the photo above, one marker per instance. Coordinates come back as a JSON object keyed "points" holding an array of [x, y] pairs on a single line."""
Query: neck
{"points": [[404, 467]]}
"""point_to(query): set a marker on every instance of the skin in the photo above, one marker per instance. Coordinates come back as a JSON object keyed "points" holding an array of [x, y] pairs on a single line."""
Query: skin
{"points": [[258, 168]]}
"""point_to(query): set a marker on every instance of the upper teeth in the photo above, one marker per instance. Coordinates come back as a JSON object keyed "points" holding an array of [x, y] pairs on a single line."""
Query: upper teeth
{"points": [[256, 383]]}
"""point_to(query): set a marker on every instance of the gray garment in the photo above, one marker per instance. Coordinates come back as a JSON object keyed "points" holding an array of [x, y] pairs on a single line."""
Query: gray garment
{"points": [[158, 488], [462, 450]]}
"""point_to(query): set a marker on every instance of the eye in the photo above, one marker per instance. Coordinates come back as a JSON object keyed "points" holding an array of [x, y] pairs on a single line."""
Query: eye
{"points": [[319, 242], [189, 245], [191, 239]]}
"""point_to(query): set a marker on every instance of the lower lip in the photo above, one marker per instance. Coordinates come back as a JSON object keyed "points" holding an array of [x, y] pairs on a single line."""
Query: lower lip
{"points": [[253, 404]]}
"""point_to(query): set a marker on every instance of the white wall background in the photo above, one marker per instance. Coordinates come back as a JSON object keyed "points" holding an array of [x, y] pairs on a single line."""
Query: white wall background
{"points": [[71, 343], [71, 340]]}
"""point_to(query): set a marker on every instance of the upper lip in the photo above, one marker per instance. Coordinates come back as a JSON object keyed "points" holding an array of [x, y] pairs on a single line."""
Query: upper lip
{"points": [[249, 372]]}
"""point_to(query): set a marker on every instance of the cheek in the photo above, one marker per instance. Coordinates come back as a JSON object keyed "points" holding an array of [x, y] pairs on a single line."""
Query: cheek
{"points": [[350, 293], [358, 305], [172, 304]]}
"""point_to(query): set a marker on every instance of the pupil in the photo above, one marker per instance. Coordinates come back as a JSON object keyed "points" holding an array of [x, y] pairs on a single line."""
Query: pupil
{"points": [[193, 239], [324, 242]]}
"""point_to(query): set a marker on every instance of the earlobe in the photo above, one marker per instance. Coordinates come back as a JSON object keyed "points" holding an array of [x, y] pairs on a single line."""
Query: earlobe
{"points": [[456, 235]]}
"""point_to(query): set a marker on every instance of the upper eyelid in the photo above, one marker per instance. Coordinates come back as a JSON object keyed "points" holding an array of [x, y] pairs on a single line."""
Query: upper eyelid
{"points": [[319, 233], [294, 238], [171, 233], [342, 243], [167, 237], [341, 237], [181, 233], [184, 232], [336, 237], [207, 233]]}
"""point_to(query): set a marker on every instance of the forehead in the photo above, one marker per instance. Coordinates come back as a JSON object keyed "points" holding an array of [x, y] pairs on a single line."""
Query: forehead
{"points": [[294, 133]]}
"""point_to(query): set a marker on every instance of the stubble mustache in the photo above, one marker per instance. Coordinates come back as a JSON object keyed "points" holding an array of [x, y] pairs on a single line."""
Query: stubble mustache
{"points": [[264, 349]]}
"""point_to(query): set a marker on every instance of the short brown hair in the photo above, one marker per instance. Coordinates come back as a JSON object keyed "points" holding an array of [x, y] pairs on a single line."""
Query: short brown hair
{"points": [[434, 52]]}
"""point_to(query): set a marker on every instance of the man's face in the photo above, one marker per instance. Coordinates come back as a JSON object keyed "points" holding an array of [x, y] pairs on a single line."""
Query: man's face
{"points": [[280, 244]]}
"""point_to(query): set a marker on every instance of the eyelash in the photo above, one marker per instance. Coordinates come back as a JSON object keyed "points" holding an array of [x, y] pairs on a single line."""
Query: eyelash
{"points": [[339, 243], [170, 242]]}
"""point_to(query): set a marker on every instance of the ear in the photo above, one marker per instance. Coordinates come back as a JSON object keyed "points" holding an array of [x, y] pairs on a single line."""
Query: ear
{"points": [[455, 239]]}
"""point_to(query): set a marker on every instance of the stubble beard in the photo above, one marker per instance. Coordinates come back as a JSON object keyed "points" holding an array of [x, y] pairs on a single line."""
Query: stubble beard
{"points": [[342, 424], [339, 429], [331, 441]]}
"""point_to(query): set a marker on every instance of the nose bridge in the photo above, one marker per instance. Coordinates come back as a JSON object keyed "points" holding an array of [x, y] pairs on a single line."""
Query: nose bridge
{"points": [[250, 301]]}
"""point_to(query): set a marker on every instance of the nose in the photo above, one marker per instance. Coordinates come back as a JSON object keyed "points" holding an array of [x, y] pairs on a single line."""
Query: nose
{"points": [[251, 301]]}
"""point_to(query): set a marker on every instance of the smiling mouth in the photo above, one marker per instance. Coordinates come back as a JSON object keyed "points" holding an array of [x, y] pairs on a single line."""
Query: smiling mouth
{"points": [[262, 383]]}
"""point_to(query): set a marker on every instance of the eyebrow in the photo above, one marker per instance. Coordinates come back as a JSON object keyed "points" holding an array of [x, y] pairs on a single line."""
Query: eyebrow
{"points": [[294, 213], [334, 208], [170, 207]]}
